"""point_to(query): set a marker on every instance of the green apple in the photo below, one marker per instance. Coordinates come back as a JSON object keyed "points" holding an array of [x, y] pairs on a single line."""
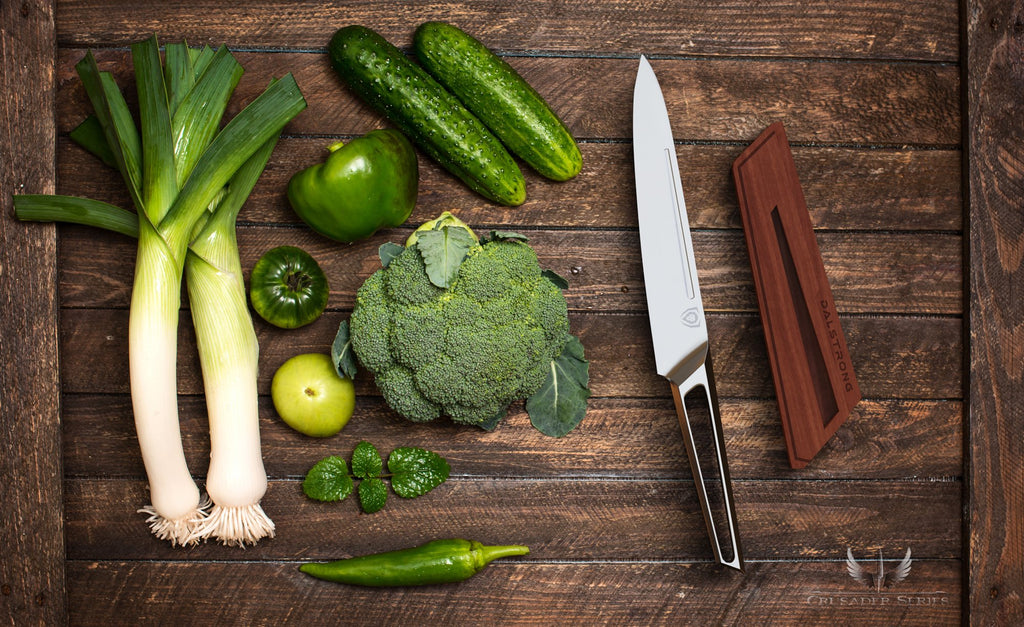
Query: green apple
{"points": [[310, 396]]}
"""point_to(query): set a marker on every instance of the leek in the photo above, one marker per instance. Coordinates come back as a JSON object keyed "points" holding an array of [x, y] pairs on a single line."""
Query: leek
{"points": [[188, 182]]}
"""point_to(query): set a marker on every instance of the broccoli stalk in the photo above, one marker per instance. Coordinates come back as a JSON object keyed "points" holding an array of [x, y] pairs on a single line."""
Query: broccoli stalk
{"points": [[461, 327]]}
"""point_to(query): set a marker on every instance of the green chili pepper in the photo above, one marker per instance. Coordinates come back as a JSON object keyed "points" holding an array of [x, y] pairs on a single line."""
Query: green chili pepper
{"points": [[440, 561], [288, 288], [369, 183]]}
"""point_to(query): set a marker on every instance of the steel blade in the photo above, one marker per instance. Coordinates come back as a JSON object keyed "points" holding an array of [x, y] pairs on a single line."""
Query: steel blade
{"points": [[678, 327]]}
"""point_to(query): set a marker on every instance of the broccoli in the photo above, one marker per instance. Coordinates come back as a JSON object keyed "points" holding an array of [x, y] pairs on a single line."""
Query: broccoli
{"points": [[467, 350]]}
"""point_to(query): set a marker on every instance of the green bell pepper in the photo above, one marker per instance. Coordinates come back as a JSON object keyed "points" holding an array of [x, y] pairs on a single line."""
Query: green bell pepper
{"points": [[367, 184]]}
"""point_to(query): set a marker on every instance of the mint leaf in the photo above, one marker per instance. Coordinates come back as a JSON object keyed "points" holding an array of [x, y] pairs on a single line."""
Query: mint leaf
{"points": [[328, 480], [443, 251], [415, 471], [366, 461], [342, 357], [388, 251], [560, 404], [372, 494]]}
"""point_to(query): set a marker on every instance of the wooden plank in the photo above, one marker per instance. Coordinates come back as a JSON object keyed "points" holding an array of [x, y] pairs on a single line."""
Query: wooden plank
{"points": [[723, 99], [925, 29], [600, 519], [520, 592], [894, 357], [995, 179], [625, 438], [856, 189], [894, 273], [32, 569]]}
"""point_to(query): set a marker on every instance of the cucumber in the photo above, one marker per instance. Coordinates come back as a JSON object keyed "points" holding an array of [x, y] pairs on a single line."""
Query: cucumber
{"points": [[434, 119], [498, 95]]}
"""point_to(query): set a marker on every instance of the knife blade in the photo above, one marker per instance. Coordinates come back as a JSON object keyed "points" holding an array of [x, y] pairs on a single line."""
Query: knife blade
{"points": [[678, 326]]}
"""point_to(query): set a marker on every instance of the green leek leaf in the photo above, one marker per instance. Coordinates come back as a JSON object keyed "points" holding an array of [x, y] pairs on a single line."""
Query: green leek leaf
{"points": [[159, 183]]}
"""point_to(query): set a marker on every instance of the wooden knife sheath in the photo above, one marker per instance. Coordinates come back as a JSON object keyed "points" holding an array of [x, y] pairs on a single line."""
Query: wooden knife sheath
{"points": [[814, 380]]}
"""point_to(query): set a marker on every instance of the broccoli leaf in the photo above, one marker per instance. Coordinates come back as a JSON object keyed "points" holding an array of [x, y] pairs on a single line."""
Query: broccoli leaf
{"points": [[366, 461], [342, 357], [373, 493], [492, 423], [328, 480], [560, 404], [559, 281], [443, 251], [415, 471], [503, 235], [388, 251]]}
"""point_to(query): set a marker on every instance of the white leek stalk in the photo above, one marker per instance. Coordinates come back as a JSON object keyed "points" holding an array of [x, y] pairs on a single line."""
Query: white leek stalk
{"points": [[229, 356]]}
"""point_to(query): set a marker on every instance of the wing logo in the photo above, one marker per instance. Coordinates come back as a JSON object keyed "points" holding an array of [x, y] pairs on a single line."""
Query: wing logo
{"points": [[880, 579]]}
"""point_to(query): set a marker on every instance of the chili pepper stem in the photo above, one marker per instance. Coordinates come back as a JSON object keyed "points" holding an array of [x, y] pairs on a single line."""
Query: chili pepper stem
{"points": [[488, 554]]}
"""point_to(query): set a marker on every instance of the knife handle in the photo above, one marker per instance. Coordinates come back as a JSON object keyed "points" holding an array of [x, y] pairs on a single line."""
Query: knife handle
{"points": [[702, 378]]}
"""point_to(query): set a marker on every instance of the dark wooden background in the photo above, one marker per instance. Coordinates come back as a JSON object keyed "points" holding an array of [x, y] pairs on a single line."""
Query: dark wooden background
{"points": [[905, 120]]}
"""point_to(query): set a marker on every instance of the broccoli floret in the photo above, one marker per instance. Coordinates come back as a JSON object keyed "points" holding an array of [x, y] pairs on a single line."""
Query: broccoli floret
{"points": [[467, 351]]}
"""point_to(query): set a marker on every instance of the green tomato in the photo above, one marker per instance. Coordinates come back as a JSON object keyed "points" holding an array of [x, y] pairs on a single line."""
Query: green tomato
{"points": [[310, 396], [364, 185], [287, 287]]}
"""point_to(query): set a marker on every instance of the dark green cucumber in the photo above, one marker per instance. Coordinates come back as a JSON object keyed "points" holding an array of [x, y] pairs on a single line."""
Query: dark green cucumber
{"points": [[434, 119], [498, 95]]}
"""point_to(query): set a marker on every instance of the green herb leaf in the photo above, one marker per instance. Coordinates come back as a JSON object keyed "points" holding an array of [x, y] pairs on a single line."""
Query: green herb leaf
{"points": [[503, 235], [342, 356], [560, 404], [372, 494], [559, 281], [443, 251], [388, 251], [328, 480], [415, 471], [366, 461]]}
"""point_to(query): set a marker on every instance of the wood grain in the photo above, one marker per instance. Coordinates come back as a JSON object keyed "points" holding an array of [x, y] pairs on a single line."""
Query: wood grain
{"points": [[616, 593], [864, 29], [620, 437], [847, 189], [724, 99], [870, 273], [32, 583], [610, 519], [995, 144], [907, 358], [871, 94]]}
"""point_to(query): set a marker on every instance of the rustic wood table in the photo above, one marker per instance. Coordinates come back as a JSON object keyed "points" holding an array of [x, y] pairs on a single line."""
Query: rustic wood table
{"points": [[906, 125]]}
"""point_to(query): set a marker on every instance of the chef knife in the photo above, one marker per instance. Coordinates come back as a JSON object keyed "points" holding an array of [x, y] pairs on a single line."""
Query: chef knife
{"points": [[678, 326]]}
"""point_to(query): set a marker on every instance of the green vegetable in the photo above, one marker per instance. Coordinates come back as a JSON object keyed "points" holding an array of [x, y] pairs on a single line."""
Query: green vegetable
{"points": [[288, 288], [497, 95], [412, 471], [432, 118], [440, 561], [460, 327], [364, 185], [187, 176]]}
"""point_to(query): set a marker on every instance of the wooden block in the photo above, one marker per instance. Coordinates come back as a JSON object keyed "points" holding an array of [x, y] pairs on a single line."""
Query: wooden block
{"points": [[814, 379]]}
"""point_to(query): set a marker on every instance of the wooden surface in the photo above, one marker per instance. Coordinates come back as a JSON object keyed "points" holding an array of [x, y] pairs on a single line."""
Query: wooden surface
{"points": [[886, 105]]}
